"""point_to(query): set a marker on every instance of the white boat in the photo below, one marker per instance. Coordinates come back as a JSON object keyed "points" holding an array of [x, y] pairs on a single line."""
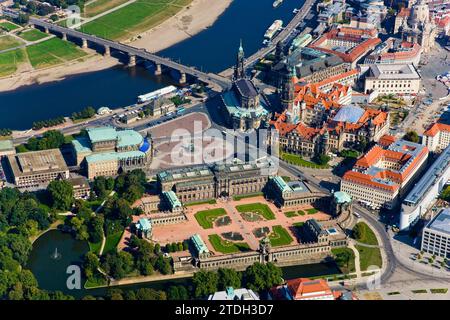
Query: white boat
{"points": [[274, 28], [277, 3], [295, 11]]}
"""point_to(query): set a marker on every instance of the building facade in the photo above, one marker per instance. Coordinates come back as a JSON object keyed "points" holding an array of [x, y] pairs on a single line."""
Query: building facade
{"points": [[436, 235], [402, 79], [105, 151], [437, 137]]}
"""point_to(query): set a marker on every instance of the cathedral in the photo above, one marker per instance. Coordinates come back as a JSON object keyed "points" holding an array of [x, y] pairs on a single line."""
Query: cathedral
{"points": [[244, 106], [415, 25]]}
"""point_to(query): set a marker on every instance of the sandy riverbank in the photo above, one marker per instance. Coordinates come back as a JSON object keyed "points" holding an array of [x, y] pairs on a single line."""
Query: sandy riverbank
{"points": [[197, 16]]}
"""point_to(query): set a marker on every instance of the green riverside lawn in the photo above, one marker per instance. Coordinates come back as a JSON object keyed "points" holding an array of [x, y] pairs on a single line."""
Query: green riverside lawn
{"points": [[8, 26], [52, 52], [8, 42], [280, 236], [367, 235], [133, 18], [32, 35], [225, 246], [206, 218], [10, 60], [346, 266], [262, 209]]}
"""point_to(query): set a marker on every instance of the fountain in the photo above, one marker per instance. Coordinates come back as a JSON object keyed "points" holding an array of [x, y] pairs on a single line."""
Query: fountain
{"points": [[56, 255]]}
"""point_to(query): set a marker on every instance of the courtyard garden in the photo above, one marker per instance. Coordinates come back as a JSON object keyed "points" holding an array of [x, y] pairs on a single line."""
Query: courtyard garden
{"points": [[226, 246], [280, 236], [257, 208], [206, 218]]}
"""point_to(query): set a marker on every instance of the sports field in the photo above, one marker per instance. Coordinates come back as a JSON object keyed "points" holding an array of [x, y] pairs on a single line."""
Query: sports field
{"points": [[134, 18], [52, 52]]}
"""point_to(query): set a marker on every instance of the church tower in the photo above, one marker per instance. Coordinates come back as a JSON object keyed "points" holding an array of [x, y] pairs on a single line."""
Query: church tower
{"points": [[288, 87], [239, 69]]}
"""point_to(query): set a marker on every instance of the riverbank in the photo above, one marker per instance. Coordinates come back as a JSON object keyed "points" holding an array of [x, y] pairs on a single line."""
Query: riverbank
{"points": [[196, 17], [192, 19]]}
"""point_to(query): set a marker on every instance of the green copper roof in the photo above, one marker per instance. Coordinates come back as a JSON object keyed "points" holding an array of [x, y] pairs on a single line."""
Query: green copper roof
{"points": [[200, 246], [81, 145], [281, 184], [124, 138], [144, 224], [172, 198], [109, 156], [101, 134], [128, 138], [342, 197]]}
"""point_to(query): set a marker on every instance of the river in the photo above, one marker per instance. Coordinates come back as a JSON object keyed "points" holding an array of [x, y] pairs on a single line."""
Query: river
{"points": [[213, 50], [51, 273]]}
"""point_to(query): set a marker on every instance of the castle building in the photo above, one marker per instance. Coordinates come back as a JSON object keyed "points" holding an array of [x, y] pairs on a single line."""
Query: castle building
{"points": [[395, 51], [105, 151]]}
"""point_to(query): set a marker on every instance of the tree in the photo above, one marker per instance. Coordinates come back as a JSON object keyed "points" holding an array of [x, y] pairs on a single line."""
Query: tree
{"points": [[163, 265], [20, 247], [205, 283], [228, 278], [322, 159], [358, 231], [177, 293], [150, 294], [260, 276], [90, 264], [61, 194], [412, 136]]}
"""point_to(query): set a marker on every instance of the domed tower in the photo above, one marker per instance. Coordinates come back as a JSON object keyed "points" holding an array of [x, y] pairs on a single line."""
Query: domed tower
{"points": [[288, 87], [239, 69]]}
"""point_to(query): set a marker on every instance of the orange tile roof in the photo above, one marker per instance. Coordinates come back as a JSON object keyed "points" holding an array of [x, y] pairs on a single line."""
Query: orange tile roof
{"points": [[435, 128], [302, 288], [404, 12], [386, 140]]}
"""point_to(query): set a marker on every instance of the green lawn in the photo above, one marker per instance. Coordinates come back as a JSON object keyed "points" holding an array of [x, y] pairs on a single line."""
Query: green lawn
{"points": [[32, 35], [52, 52], [312, 211], [299, 161], [301, 212], [212, 201], [346, 266], [206, 218], [225, 246], [262, 209], [369, 257], [133, 18], [280, 236], [441, 290], [8, 26], [290, 214], [367, 235], [112, 241], [8, 42], [95, 247], [99, 6], [245, 196], [10, 60]]}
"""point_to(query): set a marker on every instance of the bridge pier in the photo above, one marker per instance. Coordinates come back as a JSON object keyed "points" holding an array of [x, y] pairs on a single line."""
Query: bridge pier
{"points": [[158, 70], [64, 36], [47, 31], [84, 43], [107, 52], [132, 60], [182, 79]]}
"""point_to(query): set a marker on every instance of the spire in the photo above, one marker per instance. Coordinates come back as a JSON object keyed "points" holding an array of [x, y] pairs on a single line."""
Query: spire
{"points": [[241, 49], [239, 69]]}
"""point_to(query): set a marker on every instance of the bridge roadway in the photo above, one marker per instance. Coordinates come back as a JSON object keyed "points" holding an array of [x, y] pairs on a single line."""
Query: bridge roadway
{"points": [[283, 35], [134, 53]]}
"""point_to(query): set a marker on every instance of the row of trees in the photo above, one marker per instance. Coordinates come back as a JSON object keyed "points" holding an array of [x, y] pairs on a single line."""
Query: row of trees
{"points": [[37, 125], [258, 277], [5, 132], [86, 113], [50, 140], [35, 7]]}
